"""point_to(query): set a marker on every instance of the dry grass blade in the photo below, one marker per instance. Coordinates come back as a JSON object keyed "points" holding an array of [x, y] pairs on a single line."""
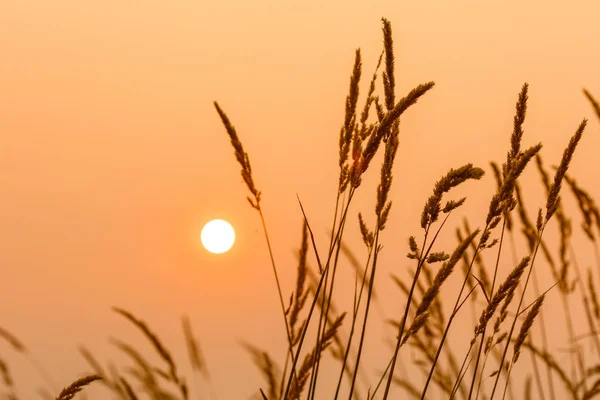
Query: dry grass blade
{"points": [[70, 391], [595, 104], [263, 395], [128, 390]]}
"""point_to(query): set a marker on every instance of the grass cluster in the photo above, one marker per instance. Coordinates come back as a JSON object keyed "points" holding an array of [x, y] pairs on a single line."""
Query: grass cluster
{"points": [[505, 328]]}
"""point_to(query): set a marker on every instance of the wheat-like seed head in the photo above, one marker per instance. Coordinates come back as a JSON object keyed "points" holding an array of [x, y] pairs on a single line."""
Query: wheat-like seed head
{"points": [[509, 285], [241, 156], [553, 194], [526, 327], [452, 179], [70, 391]]}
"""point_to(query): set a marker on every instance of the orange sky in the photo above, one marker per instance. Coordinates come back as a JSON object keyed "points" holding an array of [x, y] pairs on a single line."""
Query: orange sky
{"points": [[112, 156]]}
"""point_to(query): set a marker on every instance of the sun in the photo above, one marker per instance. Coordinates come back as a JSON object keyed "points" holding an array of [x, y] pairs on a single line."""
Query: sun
{"points": [[217, 236]]}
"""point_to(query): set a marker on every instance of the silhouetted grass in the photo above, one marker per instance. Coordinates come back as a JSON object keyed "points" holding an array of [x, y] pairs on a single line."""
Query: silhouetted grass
{"points": [[504, 325]]}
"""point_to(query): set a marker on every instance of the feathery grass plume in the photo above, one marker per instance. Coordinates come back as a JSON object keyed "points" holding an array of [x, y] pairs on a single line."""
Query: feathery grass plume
{"points": [[587, 207], [267, 367], [382, 207], [553, 195], [429, 215], [516, 161], [593, 101], [244, 162], [444, 272], [418, 322], [508, 286], [309, 360], [437, 257], [526, 327], [361, 134], [529, 231], [241, 156], [389, 81], [70, 391], [158, 346], [365, 131], [350, 125], [593, 295], [8, 381], [91, 360], [386, 123], [517, 135], [435, 326], [379, 109], [97, 369], [160, 349], [194, 352], [453, 178], [303, 375], [388, 131], [504, 309], [367, 235], [503, 201], [144, 371], [565, 231], [16, 344], [300, 295]]}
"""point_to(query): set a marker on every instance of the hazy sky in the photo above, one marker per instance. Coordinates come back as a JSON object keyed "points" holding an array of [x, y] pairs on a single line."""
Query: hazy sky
{"points": [[112, 156]]}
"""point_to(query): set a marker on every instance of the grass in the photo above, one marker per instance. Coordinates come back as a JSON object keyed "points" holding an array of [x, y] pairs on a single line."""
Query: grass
{"points": [[505, 326]]}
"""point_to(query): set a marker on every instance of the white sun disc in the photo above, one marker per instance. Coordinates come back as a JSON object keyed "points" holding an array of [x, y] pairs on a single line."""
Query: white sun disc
{"points": [[217, 236]]}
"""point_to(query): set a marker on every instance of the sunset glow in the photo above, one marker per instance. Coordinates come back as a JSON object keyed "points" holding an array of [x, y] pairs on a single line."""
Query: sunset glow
{"points": [[252, 195]]}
